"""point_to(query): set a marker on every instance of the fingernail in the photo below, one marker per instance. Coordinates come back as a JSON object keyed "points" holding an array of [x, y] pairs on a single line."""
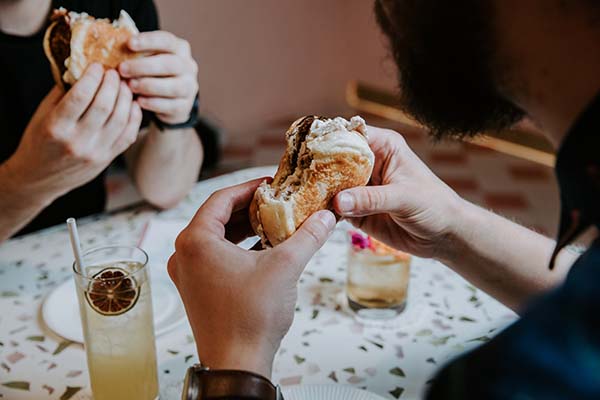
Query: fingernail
{"points": [[327, 218], [346, 202], [124, 68], [133, 84], [135, 42]]}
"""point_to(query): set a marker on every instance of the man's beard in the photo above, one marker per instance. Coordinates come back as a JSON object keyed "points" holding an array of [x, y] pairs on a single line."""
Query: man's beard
{"points": [[444, 51]]}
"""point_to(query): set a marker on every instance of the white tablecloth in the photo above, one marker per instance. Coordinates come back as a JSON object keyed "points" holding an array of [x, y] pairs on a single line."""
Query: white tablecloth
{"points": [[325, 345]]}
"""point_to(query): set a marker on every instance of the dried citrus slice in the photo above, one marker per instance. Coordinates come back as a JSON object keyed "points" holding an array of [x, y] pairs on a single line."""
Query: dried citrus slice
{"points": [[112, 291]]}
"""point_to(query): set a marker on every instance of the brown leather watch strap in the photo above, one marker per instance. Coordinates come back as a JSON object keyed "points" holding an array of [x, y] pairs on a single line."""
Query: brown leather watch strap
{"points": [[231, 384]]}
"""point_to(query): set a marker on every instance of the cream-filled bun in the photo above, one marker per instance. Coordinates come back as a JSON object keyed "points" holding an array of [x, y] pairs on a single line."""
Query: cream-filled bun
{"points": [[323, 157], [75, 40]]}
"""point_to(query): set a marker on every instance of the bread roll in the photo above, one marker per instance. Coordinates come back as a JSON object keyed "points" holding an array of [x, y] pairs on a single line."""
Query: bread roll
{"points": [[323, 157], [75, 40]]}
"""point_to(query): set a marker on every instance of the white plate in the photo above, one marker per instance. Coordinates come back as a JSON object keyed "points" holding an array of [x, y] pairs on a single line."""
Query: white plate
{"points": [[327, 392], [60, 310]]}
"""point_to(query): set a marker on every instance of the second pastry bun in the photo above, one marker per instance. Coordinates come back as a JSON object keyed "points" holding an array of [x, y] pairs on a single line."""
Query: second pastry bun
{"points": [[75, 40], [323, 157]]}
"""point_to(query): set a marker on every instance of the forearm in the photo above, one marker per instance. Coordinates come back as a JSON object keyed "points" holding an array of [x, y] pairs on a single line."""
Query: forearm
{"points": [[165, 165], [508, 261], [20, 201]]}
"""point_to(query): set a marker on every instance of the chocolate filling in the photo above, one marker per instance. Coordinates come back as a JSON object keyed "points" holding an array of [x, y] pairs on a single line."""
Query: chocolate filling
{"points": [[303, 130], [300, 160], [60, 43]]}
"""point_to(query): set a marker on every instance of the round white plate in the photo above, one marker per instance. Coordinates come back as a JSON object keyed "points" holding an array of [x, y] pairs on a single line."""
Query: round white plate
{"points": [[60, 310], [327, 392]]}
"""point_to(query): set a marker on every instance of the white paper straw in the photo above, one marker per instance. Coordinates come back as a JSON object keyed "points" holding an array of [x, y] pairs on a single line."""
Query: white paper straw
{"points": [[75, 244]]}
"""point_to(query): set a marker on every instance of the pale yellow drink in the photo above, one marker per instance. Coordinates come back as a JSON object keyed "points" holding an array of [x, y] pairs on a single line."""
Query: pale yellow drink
{"points": [[116, 315]]}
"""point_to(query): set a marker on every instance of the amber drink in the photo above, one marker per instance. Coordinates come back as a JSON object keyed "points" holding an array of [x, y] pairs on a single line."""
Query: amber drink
{"points": [[378, 277]]}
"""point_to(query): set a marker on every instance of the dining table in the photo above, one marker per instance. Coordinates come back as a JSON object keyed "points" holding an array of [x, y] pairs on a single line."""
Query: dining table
{"points": [[326, 345]]}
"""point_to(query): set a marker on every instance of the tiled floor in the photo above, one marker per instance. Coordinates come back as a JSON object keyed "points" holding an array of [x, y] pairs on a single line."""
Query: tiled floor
{"points": [[518, 189]]}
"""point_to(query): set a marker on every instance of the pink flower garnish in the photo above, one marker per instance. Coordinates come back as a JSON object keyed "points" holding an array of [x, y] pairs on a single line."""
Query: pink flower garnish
{"points": [[359, 241]]}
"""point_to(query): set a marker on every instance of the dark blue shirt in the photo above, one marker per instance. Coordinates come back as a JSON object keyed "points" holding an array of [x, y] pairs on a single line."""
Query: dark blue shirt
{"points": [[553, 351]]}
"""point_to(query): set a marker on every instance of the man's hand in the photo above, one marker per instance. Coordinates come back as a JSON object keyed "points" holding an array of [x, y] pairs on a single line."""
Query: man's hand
{"points": [[407, 206], [411, 209], [72, 137], [166, 81], [240, 303]]}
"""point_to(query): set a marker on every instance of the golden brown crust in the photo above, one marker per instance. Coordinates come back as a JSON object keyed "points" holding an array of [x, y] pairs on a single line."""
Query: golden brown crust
{"points": [[106, 44], [275, 217], [335, 176], [90, 40]]}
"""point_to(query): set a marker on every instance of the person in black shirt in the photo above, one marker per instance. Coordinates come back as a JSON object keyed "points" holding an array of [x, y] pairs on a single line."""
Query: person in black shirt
{"points": [[465, 66], [55, 146]]}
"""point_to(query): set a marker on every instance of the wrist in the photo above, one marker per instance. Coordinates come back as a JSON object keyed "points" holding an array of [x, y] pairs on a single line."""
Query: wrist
{"points": [[462, 215], [188, 119], [21, 186], [257, 359]]}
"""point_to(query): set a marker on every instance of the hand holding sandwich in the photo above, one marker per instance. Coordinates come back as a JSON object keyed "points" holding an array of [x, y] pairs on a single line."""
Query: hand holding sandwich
{"points": [[166, 80], [240, 303], [73, 136], [411, 209], [406, 205]]}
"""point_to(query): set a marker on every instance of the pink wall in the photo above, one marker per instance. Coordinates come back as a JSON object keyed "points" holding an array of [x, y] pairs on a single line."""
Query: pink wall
{"points": [[267, 60]]}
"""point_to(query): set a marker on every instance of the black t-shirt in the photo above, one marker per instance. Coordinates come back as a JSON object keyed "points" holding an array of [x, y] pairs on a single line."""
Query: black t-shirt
{"points": [[27, 79]]}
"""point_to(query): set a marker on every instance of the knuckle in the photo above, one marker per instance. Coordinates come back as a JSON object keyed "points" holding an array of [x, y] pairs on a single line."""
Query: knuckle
{"points": [[193, 87], [186, 244], [217, 196], [132, 67], [143, 85], [400, 140], [184, 46], [394, 137], [103, 107], [80, 94], [183, 240], [170, 36], [81, 153], [132, 137], [314, 233], [194, 67], [54, 130], [374, 199], [172, 268]]}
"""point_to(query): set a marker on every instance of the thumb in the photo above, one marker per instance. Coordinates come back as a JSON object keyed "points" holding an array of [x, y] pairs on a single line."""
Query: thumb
{"points": [[307, 240], [366, 200]]}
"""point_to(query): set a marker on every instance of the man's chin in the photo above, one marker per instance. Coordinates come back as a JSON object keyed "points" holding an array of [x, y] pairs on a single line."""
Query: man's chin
{"points": [[461, 118]]}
